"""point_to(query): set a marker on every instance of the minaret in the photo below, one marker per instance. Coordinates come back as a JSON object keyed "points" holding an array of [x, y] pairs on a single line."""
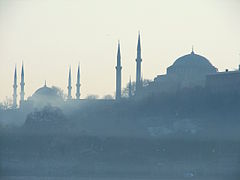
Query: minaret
{"points": [[118, 74], [130, 88], [15, 89], [138, 68], [22, 84], [69, 85], [78, 83]]}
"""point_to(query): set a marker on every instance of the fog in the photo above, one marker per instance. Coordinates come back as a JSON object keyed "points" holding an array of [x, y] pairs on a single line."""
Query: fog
{"points": [[191, 134]]}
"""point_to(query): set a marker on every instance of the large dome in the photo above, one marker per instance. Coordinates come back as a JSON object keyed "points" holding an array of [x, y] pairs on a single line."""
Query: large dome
{"points": [[46, 95], [45, 91], [192, 61]]}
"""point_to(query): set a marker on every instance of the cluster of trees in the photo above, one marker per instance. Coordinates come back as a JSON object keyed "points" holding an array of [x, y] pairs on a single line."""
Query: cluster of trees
{"points": [[47, 119], [131, 86], [6, 104]]}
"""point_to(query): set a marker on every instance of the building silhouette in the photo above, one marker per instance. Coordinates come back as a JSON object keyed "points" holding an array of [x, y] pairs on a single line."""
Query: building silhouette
{"points": [[224, 82]]}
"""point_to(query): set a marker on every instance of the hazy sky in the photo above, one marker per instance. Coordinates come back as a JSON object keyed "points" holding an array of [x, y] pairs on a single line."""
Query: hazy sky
{"points": [[50, 35]]}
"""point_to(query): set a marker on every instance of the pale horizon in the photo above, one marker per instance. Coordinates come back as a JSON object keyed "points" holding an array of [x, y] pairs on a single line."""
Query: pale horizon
{"points": [[49, 36]]}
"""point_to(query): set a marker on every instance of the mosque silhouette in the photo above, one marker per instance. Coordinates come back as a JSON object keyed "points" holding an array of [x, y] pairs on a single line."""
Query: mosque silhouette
{"points": [[188, 71]]}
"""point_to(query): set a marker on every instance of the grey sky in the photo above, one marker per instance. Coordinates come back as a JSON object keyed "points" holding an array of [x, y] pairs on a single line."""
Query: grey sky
{"points": [[50, 35]]}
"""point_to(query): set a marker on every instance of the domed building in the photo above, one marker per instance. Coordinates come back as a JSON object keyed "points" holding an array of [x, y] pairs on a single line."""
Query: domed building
{"points": [[46, 95], [187, 71]]}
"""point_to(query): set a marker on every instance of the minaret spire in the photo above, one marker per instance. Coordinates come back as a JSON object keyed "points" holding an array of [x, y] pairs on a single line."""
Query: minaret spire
{"points": [[22, 84], [15, 89], [118, 55], [139, 44], [138, 67], [69, 84], [78, 83], [118, 73]]}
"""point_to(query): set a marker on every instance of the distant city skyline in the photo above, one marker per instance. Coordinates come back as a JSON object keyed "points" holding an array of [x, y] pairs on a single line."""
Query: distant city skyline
{"points": [[49, 36]]}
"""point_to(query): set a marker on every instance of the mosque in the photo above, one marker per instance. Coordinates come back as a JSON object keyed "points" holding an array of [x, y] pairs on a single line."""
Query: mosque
{"points": [[188, 71]]}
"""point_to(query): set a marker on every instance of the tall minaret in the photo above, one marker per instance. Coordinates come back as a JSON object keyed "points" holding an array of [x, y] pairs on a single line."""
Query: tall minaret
{"points": [[130, 88], [69, 85], [78, 83], [138, 60], [118, 74], [22, 93], [15, 89]]}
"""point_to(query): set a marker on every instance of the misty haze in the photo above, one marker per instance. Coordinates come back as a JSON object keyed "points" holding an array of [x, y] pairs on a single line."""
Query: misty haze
{"points": [[113, 90]]}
